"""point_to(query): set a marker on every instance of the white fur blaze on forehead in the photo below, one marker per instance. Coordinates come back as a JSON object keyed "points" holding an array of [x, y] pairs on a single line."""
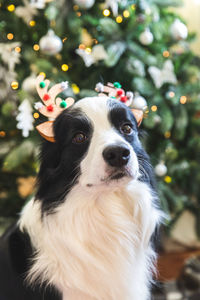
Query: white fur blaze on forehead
{"points": [[96, 108]]}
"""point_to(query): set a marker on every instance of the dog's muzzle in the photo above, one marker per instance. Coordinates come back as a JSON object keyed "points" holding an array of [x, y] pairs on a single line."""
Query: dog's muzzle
{"points": [[117, 155]]}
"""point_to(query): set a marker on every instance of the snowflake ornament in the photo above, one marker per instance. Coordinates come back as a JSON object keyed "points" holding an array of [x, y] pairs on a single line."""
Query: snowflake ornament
{"points": [[8, 54], [98, 53], [164, 75], [26, 12]]}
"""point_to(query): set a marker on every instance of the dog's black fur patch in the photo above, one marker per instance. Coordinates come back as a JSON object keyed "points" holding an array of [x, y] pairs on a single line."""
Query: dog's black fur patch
{"points": [[15, 254], [59, 169]]}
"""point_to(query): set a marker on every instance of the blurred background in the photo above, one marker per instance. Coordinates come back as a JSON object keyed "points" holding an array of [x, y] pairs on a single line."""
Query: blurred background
{"points": [[150, 47]]}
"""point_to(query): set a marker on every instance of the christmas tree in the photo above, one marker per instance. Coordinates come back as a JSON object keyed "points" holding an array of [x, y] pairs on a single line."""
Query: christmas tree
{"points": [[142, 44]]}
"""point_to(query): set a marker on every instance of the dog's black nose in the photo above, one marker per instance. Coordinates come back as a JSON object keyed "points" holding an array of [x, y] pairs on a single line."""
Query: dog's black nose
{"points": [[116, 156]]}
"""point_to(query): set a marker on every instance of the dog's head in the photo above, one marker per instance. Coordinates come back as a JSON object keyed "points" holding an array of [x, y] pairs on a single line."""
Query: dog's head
{"points": [[96, 146]]}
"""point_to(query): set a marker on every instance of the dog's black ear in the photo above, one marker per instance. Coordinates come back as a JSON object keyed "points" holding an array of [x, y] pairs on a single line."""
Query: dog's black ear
{"points": [[60, 127]]}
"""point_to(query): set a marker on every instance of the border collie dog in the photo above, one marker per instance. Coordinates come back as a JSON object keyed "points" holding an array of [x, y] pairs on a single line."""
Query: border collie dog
{"points": [[87, 233]]}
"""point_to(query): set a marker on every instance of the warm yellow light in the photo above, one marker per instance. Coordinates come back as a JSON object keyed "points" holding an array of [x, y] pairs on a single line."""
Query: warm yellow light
{"points": [[64, 39], [36, 47], [167, 134], [88, 50], [52, 23], [14, 85], [183, 99], [82, 46], [133, 6], [154, 108], [65, 67], [106, 12], [11, 7], [18, 49], [13, 132], [168, 179], [43, 74], [119, 19], [95, 41], [10, 36], [36, 115], [171, 94], [126, 14], [32, 23], [75, 88], [2, 133], [55, 70], [166, 53], [76, 7], [78, 13], [59, 56]]}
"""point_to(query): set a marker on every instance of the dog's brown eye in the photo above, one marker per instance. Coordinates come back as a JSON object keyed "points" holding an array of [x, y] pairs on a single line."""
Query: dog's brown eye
{"points": [[126, 129], [79, 138]]}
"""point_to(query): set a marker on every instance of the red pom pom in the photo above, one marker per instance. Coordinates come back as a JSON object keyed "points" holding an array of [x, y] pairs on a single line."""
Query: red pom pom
{"points": [[50, 107], [46, 97], [120, 92], [123, 99]]}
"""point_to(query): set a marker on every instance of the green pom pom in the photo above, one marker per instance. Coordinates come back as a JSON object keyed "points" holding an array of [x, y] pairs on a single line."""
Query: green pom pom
{"points": [[117, 85], [63, 104], [42, 84]]}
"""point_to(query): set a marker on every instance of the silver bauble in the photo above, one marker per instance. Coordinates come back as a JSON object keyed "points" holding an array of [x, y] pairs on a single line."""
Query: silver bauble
{"points": [[50, 43], [146, 37], [160, 169], [84, 4]]}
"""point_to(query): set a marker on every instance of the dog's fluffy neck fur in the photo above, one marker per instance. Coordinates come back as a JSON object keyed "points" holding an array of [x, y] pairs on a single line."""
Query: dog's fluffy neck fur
{"points": [[90, 247]]}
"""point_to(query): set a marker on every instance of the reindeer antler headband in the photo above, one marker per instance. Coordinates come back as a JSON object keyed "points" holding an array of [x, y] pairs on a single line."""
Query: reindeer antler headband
{"points": [[52, 106], [114, 90]]}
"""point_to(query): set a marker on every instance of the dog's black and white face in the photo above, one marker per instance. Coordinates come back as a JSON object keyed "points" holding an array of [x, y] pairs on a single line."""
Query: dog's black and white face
{"points": [[97, 146]]}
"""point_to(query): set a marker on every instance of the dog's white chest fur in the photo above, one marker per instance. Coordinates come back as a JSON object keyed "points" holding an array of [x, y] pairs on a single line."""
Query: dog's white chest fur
{"points": [[95, 247]]}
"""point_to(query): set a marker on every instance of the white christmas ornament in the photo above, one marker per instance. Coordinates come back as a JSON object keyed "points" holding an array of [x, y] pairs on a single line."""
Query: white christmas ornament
{"points": [[86, 56], [157, 119], [25, 118], [179, 30], [146, 37], [38, 105], [50, 43], [113, 4], [64, 85], [84, 4], [99, 87], [184, 230], [9, 55], [165, 75], [26, 12], [40, 4], [139, 102], [28, 84], [97, 53], [160, 169]]}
